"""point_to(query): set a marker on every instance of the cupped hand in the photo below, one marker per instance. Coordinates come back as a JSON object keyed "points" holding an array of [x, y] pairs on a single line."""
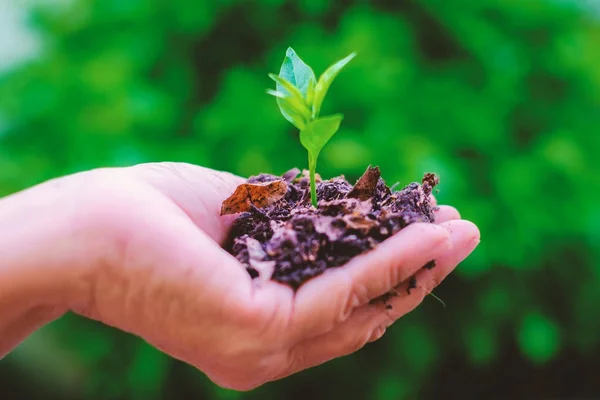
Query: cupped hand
{"points": [[163, 276]]}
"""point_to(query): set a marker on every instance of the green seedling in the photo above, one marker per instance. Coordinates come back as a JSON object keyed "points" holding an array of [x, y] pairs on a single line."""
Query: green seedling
{"points": [[300, 96]]}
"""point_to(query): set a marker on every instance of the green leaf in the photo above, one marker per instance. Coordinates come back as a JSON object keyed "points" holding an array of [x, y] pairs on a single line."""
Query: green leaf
{"points": [[295, 71], [539, 337], [297, 105], [298, 115], [310, 93], [317, 133], [287, 88], [325, 81], [291, 102]]}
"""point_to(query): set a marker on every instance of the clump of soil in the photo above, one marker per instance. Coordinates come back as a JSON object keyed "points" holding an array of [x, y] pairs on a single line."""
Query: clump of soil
{"points": [[279, 235]]}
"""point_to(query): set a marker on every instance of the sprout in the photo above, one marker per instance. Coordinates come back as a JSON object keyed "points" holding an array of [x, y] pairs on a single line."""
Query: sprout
{"points": [[300, 97]]}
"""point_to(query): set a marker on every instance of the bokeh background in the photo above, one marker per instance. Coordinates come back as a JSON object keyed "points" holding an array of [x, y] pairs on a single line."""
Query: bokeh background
{"points": [[500, 97]]}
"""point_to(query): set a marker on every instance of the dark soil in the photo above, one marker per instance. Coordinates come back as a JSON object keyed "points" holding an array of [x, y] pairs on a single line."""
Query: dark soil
{"points": [[290, 241]]}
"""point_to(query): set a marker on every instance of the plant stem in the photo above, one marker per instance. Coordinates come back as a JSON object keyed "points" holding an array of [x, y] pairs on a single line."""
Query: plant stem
{"points": [[312, 167]]}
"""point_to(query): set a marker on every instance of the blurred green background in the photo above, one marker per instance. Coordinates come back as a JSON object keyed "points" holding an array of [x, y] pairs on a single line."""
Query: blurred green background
{"points": [[500, 97]]}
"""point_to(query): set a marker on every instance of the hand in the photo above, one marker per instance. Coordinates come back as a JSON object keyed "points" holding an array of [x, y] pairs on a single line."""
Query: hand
{"points": [[155, 268]]}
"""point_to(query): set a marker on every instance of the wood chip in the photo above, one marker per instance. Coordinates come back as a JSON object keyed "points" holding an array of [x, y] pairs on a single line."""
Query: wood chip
{"points": [[366, 185], [290, 175], [265, 269], [429, 181], [258, 194], [359, 222], [255, 250], [325, 225]]}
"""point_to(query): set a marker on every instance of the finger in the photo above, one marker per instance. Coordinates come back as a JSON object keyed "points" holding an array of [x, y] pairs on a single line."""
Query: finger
{"points": [[369, 322], [323, 302], [446, 213], [346, 338], [17, 330], [198, 191], [465, 238]]}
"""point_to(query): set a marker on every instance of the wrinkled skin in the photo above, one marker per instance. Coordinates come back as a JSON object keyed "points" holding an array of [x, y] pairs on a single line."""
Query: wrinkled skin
{"points": [[150, 263]]}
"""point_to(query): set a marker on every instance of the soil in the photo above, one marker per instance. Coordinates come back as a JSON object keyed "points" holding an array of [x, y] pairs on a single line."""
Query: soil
{"points": [[280, 236]]}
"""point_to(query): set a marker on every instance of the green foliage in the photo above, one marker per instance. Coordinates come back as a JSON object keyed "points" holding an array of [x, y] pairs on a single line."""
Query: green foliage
{"points": [[324, 83], [300, 98], [318, 132], [500, 98], [295, 71], [539, 337]]}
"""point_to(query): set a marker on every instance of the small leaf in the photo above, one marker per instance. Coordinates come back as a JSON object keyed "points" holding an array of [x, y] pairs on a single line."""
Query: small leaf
{"points": [[291, 102], [318, 132], [291, 115], [310, 93], [287, 88], [258, 194], [295, 112], [295, 71], [325, 81]]}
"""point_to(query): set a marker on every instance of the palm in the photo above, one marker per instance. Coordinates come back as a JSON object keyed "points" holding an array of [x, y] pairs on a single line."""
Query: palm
{"points": [[172, 283]]}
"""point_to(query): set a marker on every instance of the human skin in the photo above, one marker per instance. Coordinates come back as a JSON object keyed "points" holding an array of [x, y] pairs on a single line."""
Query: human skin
{"points": [[138, 249]]}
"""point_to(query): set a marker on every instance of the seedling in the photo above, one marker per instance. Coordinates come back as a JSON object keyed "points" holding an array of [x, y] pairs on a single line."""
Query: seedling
{"points": [[304, 241], [300, 96]]}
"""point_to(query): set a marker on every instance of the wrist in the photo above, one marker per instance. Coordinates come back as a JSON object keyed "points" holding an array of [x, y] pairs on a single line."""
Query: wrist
{"points": [[43, 250]]}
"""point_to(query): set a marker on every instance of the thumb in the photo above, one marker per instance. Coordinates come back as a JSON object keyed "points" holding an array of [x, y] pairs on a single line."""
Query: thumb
{"points": [[197, 190]]}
